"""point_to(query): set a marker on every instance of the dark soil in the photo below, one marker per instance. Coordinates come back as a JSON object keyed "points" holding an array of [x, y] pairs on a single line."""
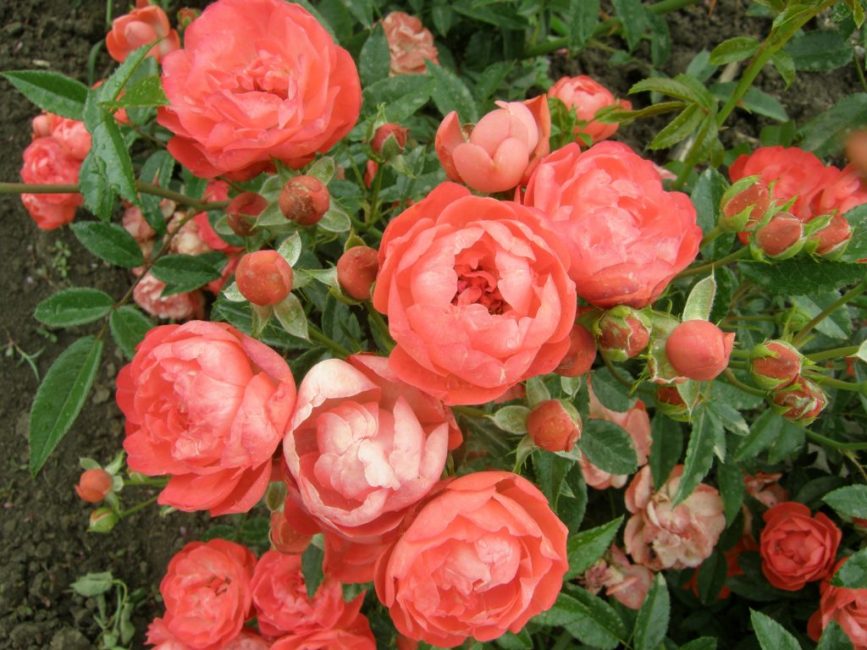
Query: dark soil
{"points": [[44, 541]]}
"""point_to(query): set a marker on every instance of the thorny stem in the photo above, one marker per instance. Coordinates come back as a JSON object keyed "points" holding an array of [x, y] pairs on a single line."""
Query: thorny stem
{"points": [[801, 336]]}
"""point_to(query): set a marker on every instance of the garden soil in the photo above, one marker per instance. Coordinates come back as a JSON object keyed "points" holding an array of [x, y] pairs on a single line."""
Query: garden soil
{"points": [[44, 543]]}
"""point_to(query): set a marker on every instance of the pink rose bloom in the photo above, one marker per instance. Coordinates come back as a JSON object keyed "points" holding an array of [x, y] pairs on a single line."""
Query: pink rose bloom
{"points": [[144, 24], [206, 405], [478, 559], [625, 582], [136, 225], [46, 161], [662, 536], [586, 97], [846, 607], [148, 294], [350, 631], [766, 489], [257, 80], [476, 294], [636, 423], [501, 150], [410, 44], [363, 446], [72, 135], [627, 236], [351, 562], [187, 240]]}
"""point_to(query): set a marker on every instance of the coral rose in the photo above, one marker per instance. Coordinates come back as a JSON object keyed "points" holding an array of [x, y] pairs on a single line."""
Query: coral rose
{"points": [[47, 161], [256, 81], [207, 596], [71, 134], [627, 237], [410, 43], [480, 558], [846, 607], [350, 631], [206, 405], [476, 294], [797, 548], [660, 535], [363, 446], [586, 97], [148, 294], [144, 24]]}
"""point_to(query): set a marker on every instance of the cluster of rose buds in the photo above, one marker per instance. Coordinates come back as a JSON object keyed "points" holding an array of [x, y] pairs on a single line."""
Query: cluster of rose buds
{"points": [[776, 366]]}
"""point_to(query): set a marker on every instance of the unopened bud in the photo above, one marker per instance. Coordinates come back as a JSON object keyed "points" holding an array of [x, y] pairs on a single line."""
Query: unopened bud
{"points": [[775, 364], [744, 204], [284, 537], [831, 239], [94, 485], [670, 402], [304, 199], [264, 277], [102, 520], [186, 15], [242, 211], [699, 350], [779, 239], [389, 140], [581, 354], [552, 427], [356, 271], [623, 333], [801, 401]]}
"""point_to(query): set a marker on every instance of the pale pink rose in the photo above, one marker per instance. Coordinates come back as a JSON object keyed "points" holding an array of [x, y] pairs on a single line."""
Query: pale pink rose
{"points": [[625, 582], [501, 150], [148, 294], [363, 446], [46, 161], [71, 134], [136, 225], [586, 97], [256, 81], [144, 24], [766, 489], [627, 237], [410, 44], [186, 239], [660, 535]]}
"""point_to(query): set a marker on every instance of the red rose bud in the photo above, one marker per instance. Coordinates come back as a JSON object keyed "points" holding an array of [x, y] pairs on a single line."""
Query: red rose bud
{"points": [[102, 520], [670, 402], [831, 239], [389, 140], [856, 150], [623, 333], [801, 401], [552, 427], [744, 204], [94, 485], [242, 211], [356, 271], [779, 239], [699, 350], [580, 355], [304, 200], [264, 277], [775, 364]]}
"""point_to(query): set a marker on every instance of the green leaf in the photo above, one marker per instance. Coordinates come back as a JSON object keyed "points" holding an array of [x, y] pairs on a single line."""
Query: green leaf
{"points": [[772, 635], [610, 392], [706, 196], [824, 134], [109, 242], [665, 448], [702, 643], [144, 93], [651, 624], [633, 16], [712, 577], [128, 328], [849, 501], [402, 95], [763, 432], [734, 49], [73, 307], [290, 313], [801, 276], [681, 127], [157, 169], [784, 64], [608, 446], [536, 391], [99, 198], [374, 62], [93, 584], [50, 91], [699, 303], [587, 618], [819, 51], [834, 638], [512, 419], [311, 568], [754, 101], [699, 452], [60, 397], [857, 248], [731, 487], [336, 219], [572, 507], [551, 470], [451, 94], [853, 573], [108, 146], [520, 641], [681, 87], [183, 273], [111, 88], [587, 546], [582, 19]]}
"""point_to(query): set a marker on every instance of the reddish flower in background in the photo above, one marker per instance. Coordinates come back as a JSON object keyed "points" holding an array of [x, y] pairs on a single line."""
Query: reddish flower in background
{"points": [[148, 294], [846, 607], [476, 294], [625, 582], [587, 97], [796, 547], [256, 80], [144, 24], [410, 43], [765, 488], [626, 236], [479, 558], [350, 631], [206, 405], [207, 595], [72, 135], [47, 161]]}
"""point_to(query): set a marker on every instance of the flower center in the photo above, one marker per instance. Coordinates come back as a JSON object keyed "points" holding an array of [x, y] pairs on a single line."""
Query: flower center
{"points": [[266, 73], [476, 285]]}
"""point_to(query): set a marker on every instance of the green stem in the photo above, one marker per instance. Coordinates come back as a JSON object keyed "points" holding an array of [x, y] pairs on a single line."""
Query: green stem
{"points": [[729, 376], [335, 347], [470, 411], [834, 353], [713, 234], [835, 444], [830, 382], [709, 266], [137, 507], [801, 336]]}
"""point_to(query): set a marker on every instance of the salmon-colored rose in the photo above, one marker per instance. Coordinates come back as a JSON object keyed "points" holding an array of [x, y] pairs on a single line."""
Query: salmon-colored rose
{"points": [[627, 237], [586, 97], [625, 582], [844, 189], [350, 631], [796, 547], [480, 558], [846, 607], [476, 294], [148, 294], [660, 535], [363, 446], [207, 596], [256, 81], [144, 24], [71, 134], [206, 405], [353, 562], [47, 161], [410, 43]]}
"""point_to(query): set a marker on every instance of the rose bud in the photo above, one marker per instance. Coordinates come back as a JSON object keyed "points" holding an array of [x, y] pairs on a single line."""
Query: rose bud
{"points": [[356, 271], [581, 354], [801, 401], [623, 333], [304, 200], [94, 485], [186, 15], [775, 364], [102, 520], [586, 97], [242, 211], [744, 204], [670, 402], [699, 350], [831, 239], [552, 427], [779, 239], [264, 277], [856, 150], [389, 139]]}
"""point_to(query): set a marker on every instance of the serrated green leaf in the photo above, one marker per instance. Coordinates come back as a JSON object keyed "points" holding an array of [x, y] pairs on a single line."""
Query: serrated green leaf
{"points": [[772, 635], [336, 219], [375, 61], [98, 196], [582, 19], [763, 432], [784, 64], [402, 95], [853, 573], [681, 127], [109, 147], [73, 307], [587, 618], [587, 546], [551, 470], [712, 577], [734, 49], [833, 637], [731, 488], [819, 51], [449, 93], [665, 448], [634, 18], [610, 392], [754, 101], [144, 93], [849, 501], [109, 242], [158, 170], [824, 134], [651, 624], [706, 196], [536, 391], [50, 91], [184, 273], [511, 418], [520, 641], [290, 313], [608, 446], [311, 568], [857, 247], [802, 275], [128, 328], [699, 452]]}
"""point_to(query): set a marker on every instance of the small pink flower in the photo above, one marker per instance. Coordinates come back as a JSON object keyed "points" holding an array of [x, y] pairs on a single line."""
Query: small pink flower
{"points": [[587, 97], [410, 44], [148, 294], [144, 24], [46, 161]]}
